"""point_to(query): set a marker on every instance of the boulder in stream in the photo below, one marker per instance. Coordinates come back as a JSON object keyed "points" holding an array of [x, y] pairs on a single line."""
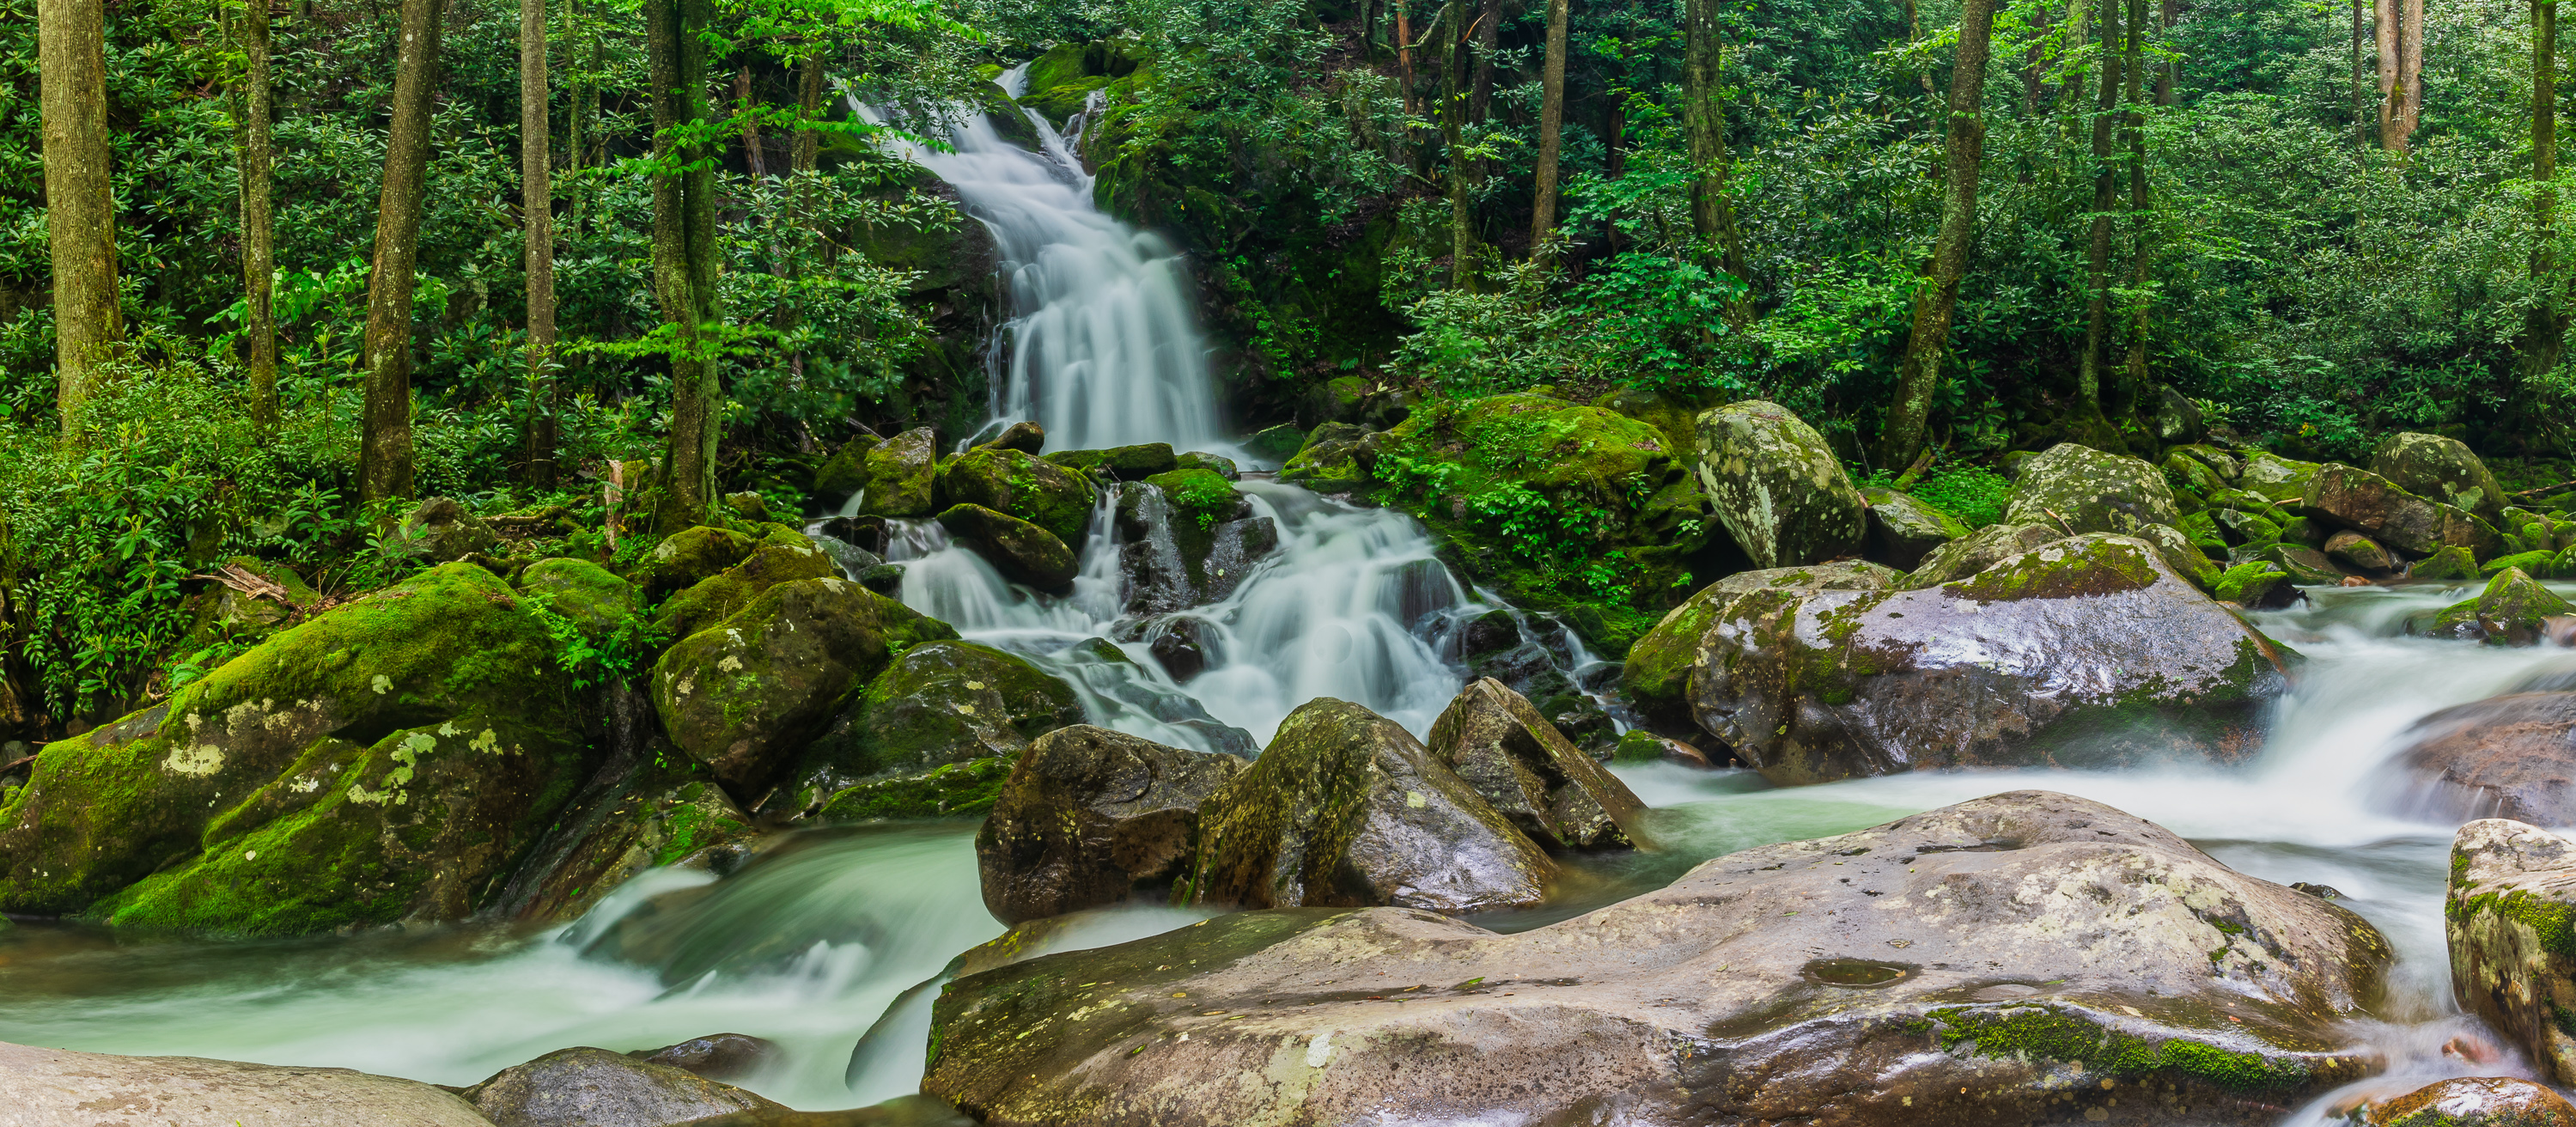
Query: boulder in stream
{"points": [[1776, 486], [586, 1087], [2078, 489], [1022, 552], [940, 704], [846, 471], [1091, 818], [2511, 923], [2439, 469], [2514, 610], [52, 1087], [643, 810], [2502, 757], [2473, 1101], [2026, 958], [2368, 503], [1657, 674], [1125, 463], [1023, 485], [1190, 541], [903, 475], [1556, 793]]}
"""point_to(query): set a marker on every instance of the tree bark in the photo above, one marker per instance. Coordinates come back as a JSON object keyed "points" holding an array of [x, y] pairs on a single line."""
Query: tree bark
{"points": [[385, 450], [751, 154], [2135, 127], [1920, 374], [2078, 26], [809, 108], [2545, 333], [1480, 93], [1404, 52], [1704, 121], [2410, 61], [1551, 128], [2034, 61], [258, 220], [2361, 122], [80, 204], [1458, 32], [1914, 35], [2166, 12], [536, 207], [684, 258], [2106, 196], [2384, 38]]}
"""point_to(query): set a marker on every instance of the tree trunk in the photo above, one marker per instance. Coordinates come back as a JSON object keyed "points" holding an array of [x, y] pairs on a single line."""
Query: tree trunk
{"points": [[1551, 127], [2136, 128], [2361, 122], [2034, 61], [1920, 373], [2384, 37], [809, 108], [1404, 52], [259, 226], [536, 208], [385, 452], [2078, 21], [1914, 35], [2410, 62], [1704, 120], [2546, 328], [684, 258], [2106, 196], [2166, 12], [1456, 33], [1480, 93], [80, 205], [751, 154]]}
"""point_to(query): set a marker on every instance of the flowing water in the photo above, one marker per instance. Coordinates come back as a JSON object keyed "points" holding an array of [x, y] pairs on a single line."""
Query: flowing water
{"points": [[816, 943]]}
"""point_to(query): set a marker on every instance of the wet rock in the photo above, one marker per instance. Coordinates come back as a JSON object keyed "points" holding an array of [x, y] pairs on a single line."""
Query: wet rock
{"points": [[2241, 527], [1217, 464], [2180, 554], [743, 696], [440, 530], [2079, 489], [2089, 652], [884, 579], [2198, 474], [2371, 504], [688, 557], [1826, 981], [2513, 611], [641, 811], [852, 560], [591, 597], [1023, 485], [1090, 818], [846, 471], [2305, 566], [2502, 757], [1189, 543], [1106, 670], [1776, 486], [1329, 462], [2275, 478], [2257, 585], [957, 790], [940, 703], [1023, 436], [784, 555], [1180, 644], [1276, 444], [1491, 632], [1513, 756], [1347, 808], [1902, 530], [587, 1087], [867, 534], [46, 1087], [1978, 551], [2513, 951], [2439, 469], [2450, 564], [386, 760], [1641, 746], [2474, 1101], [903, 475], [1022, 552], [1125, 463], [1656, 676], [2359, 552], [717, 1056]]}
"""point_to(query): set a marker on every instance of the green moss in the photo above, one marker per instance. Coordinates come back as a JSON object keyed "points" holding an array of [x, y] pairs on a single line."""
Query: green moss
{"points": [[1022, 485], [2541, 564], [2068, 1034], [1200, 496], [2061, 571], [958, 790], [2246, 584]]}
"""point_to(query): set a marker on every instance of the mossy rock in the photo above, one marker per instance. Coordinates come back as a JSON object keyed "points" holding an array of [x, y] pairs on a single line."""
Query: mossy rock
{"points": [[1776, 486], [2275, 478], [420, 734], [903, 475], [958, 790], [2259, 585], [1329, 462], [2306, 566], [782, 556], [1021, 551], [1217, 464], [1004, 114], [685, 558], [2510, 923], [439, 530], [2542, 564], [2194, 474], [937, 704], [660, 810], [1904, 529], [1656, 674], [2375, 506], [2180, 553], [1023, 485], [2225, 464], [846, 471], [1126, 463], [1978, 551], [2241, 527], [2441, 469], [1061, 101], [2510, 612], [2080, 490], [241, 612], [591, 597], [1275, 444], [2448, 564], [1199, 496], [2204, 531]]}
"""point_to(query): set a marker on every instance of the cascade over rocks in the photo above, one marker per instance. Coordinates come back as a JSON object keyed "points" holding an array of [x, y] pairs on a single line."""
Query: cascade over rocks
{"points": [[1776, 486], [715, 1056], [1554, 792], [2511, 923], [1345, 807], [1181, 555], [2439, 469], [2503, 757], [2026, 958], [2078, 489], [1021, 551], [1023, 485], [1091, 818], [903, 475], [49, 1087], [1024, 436], [941, 703], [585, 1087], [2088, 652]]}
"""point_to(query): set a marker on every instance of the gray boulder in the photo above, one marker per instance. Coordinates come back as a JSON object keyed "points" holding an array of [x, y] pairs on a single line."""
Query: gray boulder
{"points": [[1557, 794], [57, 1087], [1776, 486], [2376, 507], [2513, 953], [1656, 675], [2503, 757], [2078, 489], [1091, 818], [1903, 530], [2439, 469], [1978, 551], [587, 1087]]}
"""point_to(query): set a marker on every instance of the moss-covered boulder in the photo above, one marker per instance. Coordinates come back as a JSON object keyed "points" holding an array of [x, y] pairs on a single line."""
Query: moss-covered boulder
{"points": [[957, 790], [1552, 790], [2079, 489], [2256, 585], [585, 594], [2275, 478], [1656, 675], [388, 760], [2089, 652], [2237, 526], [903, 475], [1126, 463], [2446, 564], [1776, 487], [1021, 551], [2360, 553], [782, 556], [846, 471], [2439, 469], [2305, 566], [251, 597], [2194, 475], [2512, 611], [1978, 551], [1024, 436], [2374, 506], [1276, 444], [744, 695], [2511, 923], [2180, 553], [1902, 530], [1023, 485], [2019, 960], [688, 557], [1092, 817], [646, 811], [1329, 462], [940, 703], [438, 530], [1345, 807]]}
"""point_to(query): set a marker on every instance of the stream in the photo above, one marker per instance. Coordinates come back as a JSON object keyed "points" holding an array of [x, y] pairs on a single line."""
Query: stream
{"points": [[813, 943]]}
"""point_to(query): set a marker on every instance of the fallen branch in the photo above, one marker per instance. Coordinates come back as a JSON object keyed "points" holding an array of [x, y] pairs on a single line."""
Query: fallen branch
{"points": [[249, 582], [2543, 490], [13, 765]]}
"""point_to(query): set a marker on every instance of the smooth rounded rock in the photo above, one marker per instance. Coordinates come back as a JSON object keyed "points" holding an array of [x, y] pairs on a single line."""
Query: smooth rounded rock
{"points": [[2503, 757], [1776, 486], [1019, 483], [2439, 469], [1558, 795], [2511, 925], [586, 1087], [57, 1088], [717, 1056], [1091, 818], [903, 475], [1021, 551], [2077, 489]]}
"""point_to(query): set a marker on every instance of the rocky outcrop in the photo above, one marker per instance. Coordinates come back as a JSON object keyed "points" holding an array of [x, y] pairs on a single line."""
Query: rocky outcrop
{"points": [[2359, 552], [2502, 757], [903, 475], [2514, 610], [641, 811], [2439, 469], [2078, 489], [1022, 552], [1091, 818], [1903, 530], [1776, 486], [846, 471], [1329, 462], [1554, 792], [2089, 652], [940, 704], [1023, 485], [2027, 958], [782, 555], [1124, 463], [50, 1087], [2511, 923], [1347, 808], [587, 1087]]}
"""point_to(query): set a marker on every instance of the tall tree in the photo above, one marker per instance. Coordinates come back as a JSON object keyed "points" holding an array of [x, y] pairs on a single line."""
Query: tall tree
{"points": [[385, 450], [80, 206], [1551, 128], [537, 207], [1704, 120], [2400, 39], [2134, 126], [2545, 330], [1920, 372], [1457, 30], [2106, 196], [684, 254], [2166, 12], [752, 157], [2361, 122], [803, 155], [1404, 52], [254, 104]]}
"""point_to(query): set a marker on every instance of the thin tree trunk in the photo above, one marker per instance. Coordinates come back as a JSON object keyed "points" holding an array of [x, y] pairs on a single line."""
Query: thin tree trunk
{"points": [[751, 154], [809, 108], [2546, 329], [2361, 121], [2034, 61], [2166, 12], [2384, 38], [2410, 60], [2135, 127], [2078, 25], [1404, 52], [385, 449], [536, 206], [80, 204], [1920, 374], [1456, 32], [1480, 93], [1551, 127], [684, 257], [2106, 196], [1704, 121], [259, 228], [1914, 35], [1617, 141]]}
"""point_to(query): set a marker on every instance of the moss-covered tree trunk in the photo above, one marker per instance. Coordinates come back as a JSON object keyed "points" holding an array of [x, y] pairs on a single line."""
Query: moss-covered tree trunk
{"points": [[2106, 196], [1920, 373], [253, 153], [1551, 129], [2545, 330], [80, 205], [808, 148], [385, 447], [2361, 123], [536, 206], [2135, 125], [1457, 31], [684, 255], [1704, 121]]}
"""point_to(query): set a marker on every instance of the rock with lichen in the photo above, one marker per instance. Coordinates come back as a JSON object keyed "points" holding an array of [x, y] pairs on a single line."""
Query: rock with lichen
{"points": [[903, 475], [2513, 610], [2079, 489], [1023, 485], [938, 704], [2511, 924], [1776, 486], [1091, 818], [2439, 469]]}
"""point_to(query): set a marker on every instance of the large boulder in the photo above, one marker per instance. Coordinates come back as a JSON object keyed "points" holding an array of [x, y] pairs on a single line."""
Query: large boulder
{"points": [[2502, 757], [688, 557], [1022, 552], [1978, 551], [2275, 478], [1091, 818], [1127, 463], [2439, 469], [2376, 507], [641, 811], [1347, 808], [903, 475], [439, 530], [385, 761], [783, 555], [587, 1087], [940, 703], [592, 598], [846, 471], [1558, 795], [2078, 489], [2511, 923], [1903, 530], [2089, 652], [58, 1087], [1021, 484], [1776, 486], [743, 695], [2027, 958], [1656, 676], [2513, 610]]}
